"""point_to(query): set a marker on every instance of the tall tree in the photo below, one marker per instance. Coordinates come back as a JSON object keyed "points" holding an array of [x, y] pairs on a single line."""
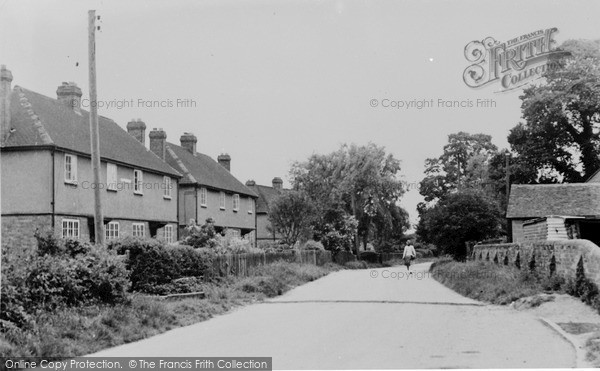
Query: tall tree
{"points": [[291, 215], [463, 164], [468, 215], [360, 180], [560, 138]]}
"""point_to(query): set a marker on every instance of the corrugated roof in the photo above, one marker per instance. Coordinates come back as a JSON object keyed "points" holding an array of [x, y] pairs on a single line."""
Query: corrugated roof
{"points": [[266, 195], [538, 200], [39, 120], [203, 170]]}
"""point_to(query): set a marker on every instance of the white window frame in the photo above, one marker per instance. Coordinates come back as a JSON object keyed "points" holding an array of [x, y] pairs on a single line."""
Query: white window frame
{"points": [[111, 177], [112, 230], [138, 182], [250, 205], [236, 202], [203, 197], [168, 233], [71, 227], [138, 226], [71, 171], [168, 184], [222, 200]]}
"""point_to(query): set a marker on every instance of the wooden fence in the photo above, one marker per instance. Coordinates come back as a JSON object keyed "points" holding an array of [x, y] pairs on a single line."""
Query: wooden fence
{"points": [[241, 264]]}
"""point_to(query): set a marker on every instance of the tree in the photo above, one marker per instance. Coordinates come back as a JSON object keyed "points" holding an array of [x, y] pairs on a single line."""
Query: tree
{"points": [[460, 217], [291, 215], [355, 180], [463, 164], [560, 138]]}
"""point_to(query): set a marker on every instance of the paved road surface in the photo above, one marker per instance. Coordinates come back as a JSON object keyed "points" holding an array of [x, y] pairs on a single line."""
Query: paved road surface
{"points": [[351, 320]]}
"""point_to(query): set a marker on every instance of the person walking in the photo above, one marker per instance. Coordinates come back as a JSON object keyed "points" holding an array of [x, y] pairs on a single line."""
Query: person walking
{"points": [[409, 254]]}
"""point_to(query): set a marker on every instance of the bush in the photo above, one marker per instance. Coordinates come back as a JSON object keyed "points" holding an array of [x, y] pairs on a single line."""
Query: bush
{"points": [[201, 236], [369, 256], [235, 245], [273, 246], [154, 265], [63, 273], [313, 245]]}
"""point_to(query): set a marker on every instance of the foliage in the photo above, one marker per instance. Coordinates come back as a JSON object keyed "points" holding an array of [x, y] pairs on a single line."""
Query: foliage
{"points": [[234, 245], [458, 218], [337, 233], [291, 215], [153, 264], [463, 164], [61, 274], [312, 245], [273, 246], [560, 138], [201, 236], [358, 181]]}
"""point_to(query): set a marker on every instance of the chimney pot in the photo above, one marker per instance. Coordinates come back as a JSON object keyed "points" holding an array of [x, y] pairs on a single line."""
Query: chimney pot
{"points": [[137, 129], [250, 183], [188, 141], [277, 183], [158, 142], [70, 95], [224, 160], [5, 92]]}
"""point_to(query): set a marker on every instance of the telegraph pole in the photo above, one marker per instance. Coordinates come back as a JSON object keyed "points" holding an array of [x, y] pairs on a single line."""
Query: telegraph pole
{"points": [[94, 131], [508, 222]]}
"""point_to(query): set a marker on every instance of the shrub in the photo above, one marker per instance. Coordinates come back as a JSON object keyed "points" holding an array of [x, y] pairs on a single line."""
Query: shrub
{"points": [[273, 246], [369, 256], [154, 265], [201, 236], [235, 245], [313, 245]]}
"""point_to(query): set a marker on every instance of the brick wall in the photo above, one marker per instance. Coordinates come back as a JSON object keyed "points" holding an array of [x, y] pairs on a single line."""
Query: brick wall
{"points": [[565, 252], [17, 232]]}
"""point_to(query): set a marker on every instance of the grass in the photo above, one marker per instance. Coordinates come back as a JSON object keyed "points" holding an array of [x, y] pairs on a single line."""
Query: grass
{"points": [[71, 332], [496, 284]]}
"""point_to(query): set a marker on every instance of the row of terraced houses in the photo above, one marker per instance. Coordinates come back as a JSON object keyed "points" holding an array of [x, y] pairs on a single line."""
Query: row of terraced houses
{"points": [[150, 187]]}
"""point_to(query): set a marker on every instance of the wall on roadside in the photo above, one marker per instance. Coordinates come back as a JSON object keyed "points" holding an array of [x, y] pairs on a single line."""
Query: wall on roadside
{"points": [[566, 255]]}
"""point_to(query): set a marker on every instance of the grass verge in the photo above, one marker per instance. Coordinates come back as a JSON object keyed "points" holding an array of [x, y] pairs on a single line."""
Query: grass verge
{"points": [[71, 332]]}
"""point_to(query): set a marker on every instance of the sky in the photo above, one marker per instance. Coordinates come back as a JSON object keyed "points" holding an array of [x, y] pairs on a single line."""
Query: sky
{"points": [[272, 82]]}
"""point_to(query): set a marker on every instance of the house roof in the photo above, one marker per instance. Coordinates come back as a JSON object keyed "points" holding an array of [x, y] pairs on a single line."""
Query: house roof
{"points": [[266, 195], [201, 169], [595, 178], [38, 120], [538, 200]]}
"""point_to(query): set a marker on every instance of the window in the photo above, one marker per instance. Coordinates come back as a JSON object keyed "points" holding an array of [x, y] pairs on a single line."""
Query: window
{"points": [[169, 234], [70, 228], [234, 233], [203, 197], [168, 185], [222, 200], [138, 180], [70, 169], [111, 177], [112, 230], [250, 205], [139, 229], [236, 202]]}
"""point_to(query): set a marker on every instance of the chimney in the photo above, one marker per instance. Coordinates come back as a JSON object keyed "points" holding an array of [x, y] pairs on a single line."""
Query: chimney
{"points": [[224, 160], [70, 95], [5, 90], [158, 142], [137, 129], [277, 183], [188, 141], [250, 183]]}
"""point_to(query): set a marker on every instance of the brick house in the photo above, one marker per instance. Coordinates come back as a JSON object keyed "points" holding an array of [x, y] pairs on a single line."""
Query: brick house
{"points": [[266, 195], [207, 188], [47, 179], [539, 212]]}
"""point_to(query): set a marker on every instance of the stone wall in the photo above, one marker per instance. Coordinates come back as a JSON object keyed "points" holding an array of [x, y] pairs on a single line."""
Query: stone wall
{"points": [[561, 256]]}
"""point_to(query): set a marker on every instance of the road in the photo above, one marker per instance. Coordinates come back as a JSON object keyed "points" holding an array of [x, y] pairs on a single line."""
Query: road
{"points": [[369, 319]]}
